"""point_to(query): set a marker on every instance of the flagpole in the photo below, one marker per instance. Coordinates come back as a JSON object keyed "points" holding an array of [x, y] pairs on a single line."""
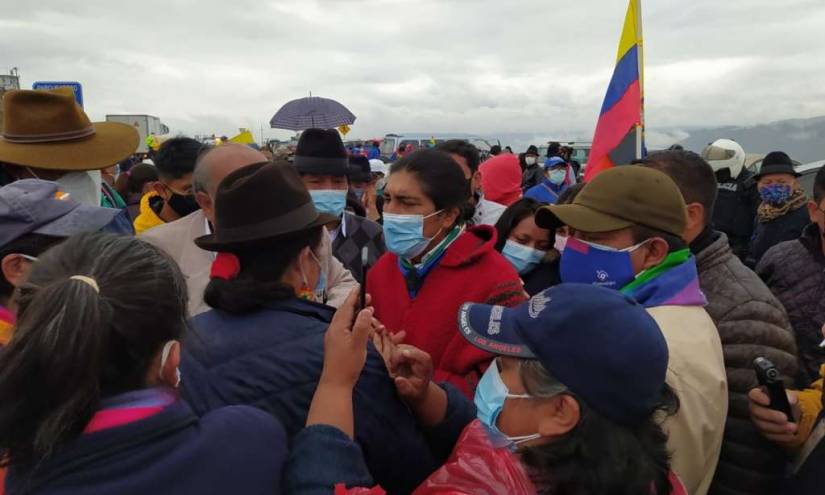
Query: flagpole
{"points": [[640, 131]]}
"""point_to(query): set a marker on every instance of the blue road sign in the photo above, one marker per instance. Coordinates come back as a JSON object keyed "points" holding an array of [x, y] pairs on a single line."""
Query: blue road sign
{"points": [[75, 86]]}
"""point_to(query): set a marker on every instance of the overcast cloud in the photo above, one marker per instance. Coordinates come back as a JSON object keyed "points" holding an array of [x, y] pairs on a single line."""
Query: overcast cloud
{"points": [[476, 66]]}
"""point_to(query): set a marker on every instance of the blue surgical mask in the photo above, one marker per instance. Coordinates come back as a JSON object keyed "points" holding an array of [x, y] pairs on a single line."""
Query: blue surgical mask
{"points": [[321, 286], [404, 234], [557, 176], [776, 194], [489, 400], [359, 192], [523, 258], [330, 201], [587, 263]]}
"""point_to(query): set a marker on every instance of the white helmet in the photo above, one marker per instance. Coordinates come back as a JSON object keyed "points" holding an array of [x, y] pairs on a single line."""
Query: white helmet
{"points": [[724, 153]]}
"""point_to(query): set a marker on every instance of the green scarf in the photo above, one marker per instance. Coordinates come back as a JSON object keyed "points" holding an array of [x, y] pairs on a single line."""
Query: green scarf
{"points": [[436, 252], [675, 258]]}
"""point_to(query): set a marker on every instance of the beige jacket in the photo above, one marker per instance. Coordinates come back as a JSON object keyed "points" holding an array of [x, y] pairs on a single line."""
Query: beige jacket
{"points": [[177, 239], [696, 372]]}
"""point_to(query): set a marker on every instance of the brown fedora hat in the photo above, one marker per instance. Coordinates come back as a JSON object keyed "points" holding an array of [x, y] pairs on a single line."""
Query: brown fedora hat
{"points": [[47, 129], [261, 203]]}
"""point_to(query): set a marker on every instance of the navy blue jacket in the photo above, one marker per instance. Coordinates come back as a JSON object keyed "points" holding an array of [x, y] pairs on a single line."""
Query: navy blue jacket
{"points": [[323, 456], [238, 450], [272, 359]]}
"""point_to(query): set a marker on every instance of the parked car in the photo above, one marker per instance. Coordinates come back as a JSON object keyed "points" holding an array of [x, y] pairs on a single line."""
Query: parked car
{"points": [[807, 175]]}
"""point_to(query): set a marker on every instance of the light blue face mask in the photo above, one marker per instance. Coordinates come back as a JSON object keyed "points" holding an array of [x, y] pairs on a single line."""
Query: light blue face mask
{"points": [[489, 400], [557, 176], [404, 234], [321, 286], [523, 258], [330, 201]]}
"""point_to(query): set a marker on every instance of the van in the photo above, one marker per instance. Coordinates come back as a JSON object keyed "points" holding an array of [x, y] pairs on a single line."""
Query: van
{"points": [[420, 141], [581, 150]]}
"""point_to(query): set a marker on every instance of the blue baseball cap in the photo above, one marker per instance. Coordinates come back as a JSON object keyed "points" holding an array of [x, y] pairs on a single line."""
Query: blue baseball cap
{"points": [[554, 161], [601, 344], [38, 206]]}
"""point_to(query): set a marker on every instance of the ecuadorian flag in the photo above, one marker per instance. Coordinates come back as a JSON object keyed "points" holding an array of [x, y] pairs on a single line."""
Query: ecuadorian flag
{"points": [[619, 136]]}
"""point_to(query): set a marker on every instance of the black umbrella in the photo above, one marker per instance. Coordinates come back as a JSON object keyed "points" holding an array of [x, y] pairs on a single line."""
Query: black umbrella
{"points": [[311, 112]]}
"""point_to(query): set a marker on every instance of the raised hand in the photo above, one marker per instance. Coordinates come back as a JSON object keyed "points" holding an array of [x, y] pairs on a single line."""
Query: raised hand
{"points": [[345, 352], [412, 370], [345, 343]]}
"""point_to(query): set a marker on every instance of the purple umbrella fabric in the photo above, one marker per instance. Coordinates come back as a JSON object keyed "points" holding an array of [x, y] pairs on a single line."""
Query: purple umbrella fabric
{"points": [[311, 112]]}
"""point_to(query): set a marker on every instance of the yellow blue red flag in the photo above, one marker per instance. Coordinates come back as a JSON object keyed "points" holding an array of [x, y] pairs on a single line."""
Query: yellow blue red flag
{"points": [[619, 136]]}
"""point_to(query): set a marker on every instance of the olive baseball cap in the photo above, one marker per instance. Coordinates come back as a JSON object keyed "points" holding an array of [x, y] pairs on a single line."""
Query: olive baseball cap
{"points": [[619, 198]]}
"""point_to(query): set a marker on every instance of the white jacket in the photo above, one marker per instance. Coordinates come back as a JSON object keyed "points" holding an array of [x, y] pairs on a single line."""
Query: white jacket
{"points": [[696, 372]]}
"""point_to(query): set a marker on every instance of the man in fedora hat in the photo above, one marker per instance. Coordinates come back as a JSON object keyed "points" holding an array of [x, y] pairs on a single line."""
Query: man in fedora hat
{"points": [[782, 215], [627, 225], [46, 135], [34, 216], [178, 238], [322, 162]]}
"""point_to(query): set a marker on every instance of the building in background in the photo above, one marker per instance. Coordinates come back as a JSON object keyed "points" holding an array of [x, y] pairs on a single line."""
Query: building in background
{"points": [[8, 82]]}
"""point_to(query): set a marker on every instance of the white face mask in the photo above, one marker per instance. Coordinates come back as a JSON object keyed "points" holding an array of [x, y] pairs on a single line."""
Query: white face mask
{"points": [[83, 187], [530, 160], [561, 242]]}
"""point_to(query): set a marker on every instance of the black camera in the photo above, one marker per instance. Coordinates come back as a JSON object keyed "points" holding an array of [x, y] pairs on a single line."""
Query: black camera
{"points": [[769, 377]]}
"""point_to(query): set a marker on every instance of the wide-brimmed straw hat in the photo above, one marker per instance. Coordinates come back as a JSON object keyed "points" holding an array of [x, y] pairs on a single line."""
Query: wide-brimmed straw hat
{"points": [[47, 129]]}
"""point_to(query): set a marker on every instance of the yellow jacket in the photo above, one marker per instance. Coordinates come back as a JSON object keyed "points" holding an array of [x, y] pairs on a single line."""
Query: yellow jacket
{"points": [[810, 403], [147, 218]]}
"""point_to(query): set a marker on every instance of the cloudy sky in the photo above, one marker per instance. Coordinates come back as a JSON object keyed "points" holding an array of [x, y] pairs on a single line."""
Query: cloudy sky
{"points": [[476, 66]]}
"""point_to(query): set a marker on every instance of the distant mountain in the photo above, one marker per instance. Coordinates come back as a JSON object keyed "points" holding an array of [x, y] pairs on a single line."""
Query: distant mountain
{"points": [[802, 139]]}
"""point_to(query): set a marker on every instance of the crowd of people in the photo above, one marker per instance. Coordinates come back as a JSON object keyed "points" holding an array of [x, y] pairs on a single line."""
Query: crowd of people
{"points": [[216, 319]]}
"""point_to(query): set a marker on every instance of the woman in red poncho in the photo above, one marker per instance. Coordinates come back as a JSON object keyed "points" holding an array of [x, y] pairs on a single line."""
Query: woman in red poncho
{"points": [[435, 263]]}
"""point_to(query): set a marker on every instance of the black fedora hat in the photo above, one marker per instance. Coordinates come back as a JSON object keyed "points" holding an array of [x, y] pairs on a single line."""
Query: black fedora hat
{"points": [[258, 203], [359, 169], [321, 152], [776, 162]]}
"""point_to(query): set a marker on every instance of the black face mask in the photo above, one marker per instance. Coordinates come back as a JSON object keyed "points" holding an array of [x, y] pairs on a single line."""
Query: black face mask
{"points": [[723, 176], [183, 205]]}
